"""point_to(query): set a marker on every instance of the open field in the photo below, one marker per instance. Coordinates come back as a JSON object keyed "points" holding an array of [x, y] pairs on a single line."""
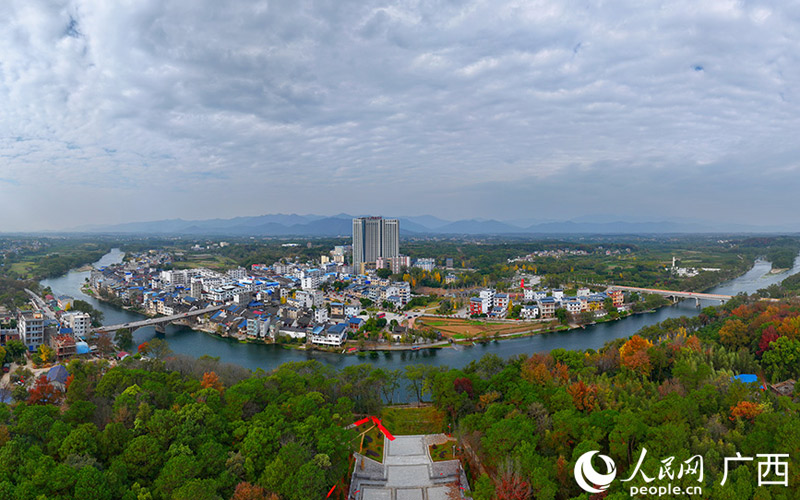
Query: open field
{"points": [[22, 269], [461, 328], [412, 421], [216, 262]]}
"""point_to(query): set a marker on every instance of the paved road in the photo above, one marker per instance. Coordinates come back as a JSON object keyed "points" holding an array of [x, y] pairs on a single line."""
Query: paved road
{"points": [[161, 319], [40, 304]]}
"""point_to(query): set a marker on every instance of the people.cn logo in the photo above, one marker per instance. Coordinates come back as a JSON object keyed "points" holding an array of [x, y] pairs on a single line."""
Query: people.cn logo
{"points": [[588, 478]]}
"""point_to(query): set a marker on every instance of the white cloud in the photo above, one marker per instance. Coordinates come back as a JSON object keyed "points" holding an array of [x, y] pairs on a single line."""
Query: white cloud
{"points": [[178, 108]]}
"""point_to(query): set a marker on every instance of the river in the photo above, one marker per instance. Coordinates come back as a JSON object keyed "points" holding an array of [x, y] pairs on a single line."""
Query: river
{"points": [[186, 341]]}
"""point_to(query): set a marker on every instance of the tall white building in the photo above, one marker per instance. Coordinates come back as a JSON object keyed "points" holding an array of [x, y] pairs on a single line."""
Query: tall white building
{"points": [[30, 325], [375, 237]]}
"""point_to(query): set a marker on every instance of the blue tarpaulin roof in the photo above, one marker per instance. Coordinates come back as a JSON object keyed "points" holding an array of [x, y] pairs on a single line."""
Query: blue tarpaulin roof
{"points": [[746, 378]]}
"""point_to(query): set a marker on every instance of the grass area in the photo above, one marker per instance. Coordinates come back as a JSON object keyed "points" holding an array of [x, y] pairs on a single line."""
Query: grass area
{"points": [[436, 323], [22, 269], [216, 262], [373, 445], [408, 421], [442, 452]]}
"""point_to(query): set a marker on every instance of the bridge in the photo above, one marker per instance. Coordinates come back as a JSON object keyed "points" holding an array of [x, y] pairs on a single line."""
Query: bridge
{"points": [[675, 295], [160, 322]]}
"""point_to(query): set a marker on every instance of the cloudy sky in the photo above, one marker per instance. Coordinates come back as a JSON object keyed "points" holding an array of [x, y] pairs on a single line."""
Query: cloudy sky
{"points": [[152, 109]]}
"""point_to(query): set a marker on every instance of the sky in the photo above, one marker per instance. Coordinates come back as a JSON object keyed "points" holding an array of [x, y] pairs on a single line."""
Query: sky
{"points": [[154, 109]]}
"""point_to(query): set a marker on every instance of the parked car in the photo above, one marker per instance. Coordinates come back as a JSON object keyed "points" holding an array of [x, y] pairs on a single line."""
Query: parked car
{"points": [[6, 367]]}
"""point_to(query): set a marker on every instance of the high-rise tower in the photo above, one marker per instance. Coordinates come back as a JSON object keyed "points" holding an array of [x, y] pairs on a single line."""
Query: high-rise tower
{"points": [[374, 237]]}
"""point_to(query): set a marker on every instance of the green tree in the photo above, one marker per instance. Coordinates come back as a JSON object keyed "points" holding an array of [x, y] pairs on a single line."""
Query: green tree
{"points": [[91, 483], [124, 338], [158, 348], [484, 488], [782, 361], [419, 379], [81, 441], [562, 315], [15, 350]]}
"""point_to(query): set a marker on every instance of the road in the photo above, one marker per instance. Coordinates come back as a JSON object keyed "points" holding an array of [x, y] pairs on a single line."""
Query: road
{"points": [[161, 319], [41, 305]]}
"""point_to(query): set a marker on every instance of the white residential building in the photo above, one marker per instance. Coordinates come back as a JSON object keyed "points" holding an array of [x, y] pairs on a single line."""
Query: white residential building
{"points": [[336, 335], [400, 289], [352, 310], [79, 322], [304, 298], [309, 282], [572, 305], [317, 297], [487, 295], [237, 274], [425, 264], [530, 312], [30, 325], [501, 300], [321, 315], [224, 293]]}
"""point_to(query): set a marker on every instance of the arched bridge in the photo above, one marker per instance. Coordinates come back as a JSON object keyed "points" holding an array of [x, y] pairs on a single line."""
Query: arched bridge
{"points": [[159, 322], [675, 295]]}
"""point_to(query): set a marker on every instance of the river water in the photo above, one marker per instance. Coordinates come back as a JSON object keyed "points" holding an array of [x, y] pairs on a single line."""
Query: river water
{"points": [[186, 341]]}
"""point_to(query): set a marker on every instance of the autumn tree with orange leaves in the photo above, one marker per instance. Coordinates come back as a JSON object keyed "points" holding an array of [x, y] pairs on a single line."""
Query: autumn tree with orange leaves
{"points": [[747, 410], [43, 392], [247, 491], [633, 355], [734, 334], [584, 396], [211, 381]]}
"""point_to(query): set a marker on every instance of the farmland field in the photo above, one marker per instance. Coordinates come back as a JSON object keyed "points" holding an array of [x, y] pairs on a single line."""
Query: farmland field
{"points": [[462, 328]]}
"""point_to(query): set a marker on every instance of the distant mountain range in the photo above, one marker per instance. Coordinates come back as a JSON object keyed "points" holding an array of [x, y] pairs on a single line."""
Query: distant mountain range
{"points": [[341, 225]]}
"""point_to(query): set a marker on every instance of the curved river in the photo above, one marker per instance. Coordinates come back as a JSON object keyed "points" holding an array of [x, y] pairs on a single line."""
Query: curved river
{"points": [[186, 341]]}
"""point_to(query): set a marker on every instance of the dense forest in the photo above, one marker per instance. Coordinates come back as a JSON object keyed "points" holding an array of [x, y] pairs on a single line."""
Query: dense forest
{"points": [[178, 429], [52, 257]]}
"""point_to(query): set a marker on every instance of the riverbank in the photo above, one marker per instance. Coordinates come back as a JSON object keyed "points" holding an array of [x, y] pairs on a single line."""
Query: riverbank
{"points": [[269, 356], [352, 347]]}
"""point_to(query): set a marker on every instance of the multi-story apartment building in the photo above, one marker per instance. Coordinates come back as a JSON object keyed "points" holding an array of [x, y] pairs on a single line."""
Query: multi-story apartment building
{"points": [[488, 295], [401, 289], [530, 312], [79, 322], [396, 264], [321, 315], [501, 300], [547, 307], [425, 264], [30, 325]]}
